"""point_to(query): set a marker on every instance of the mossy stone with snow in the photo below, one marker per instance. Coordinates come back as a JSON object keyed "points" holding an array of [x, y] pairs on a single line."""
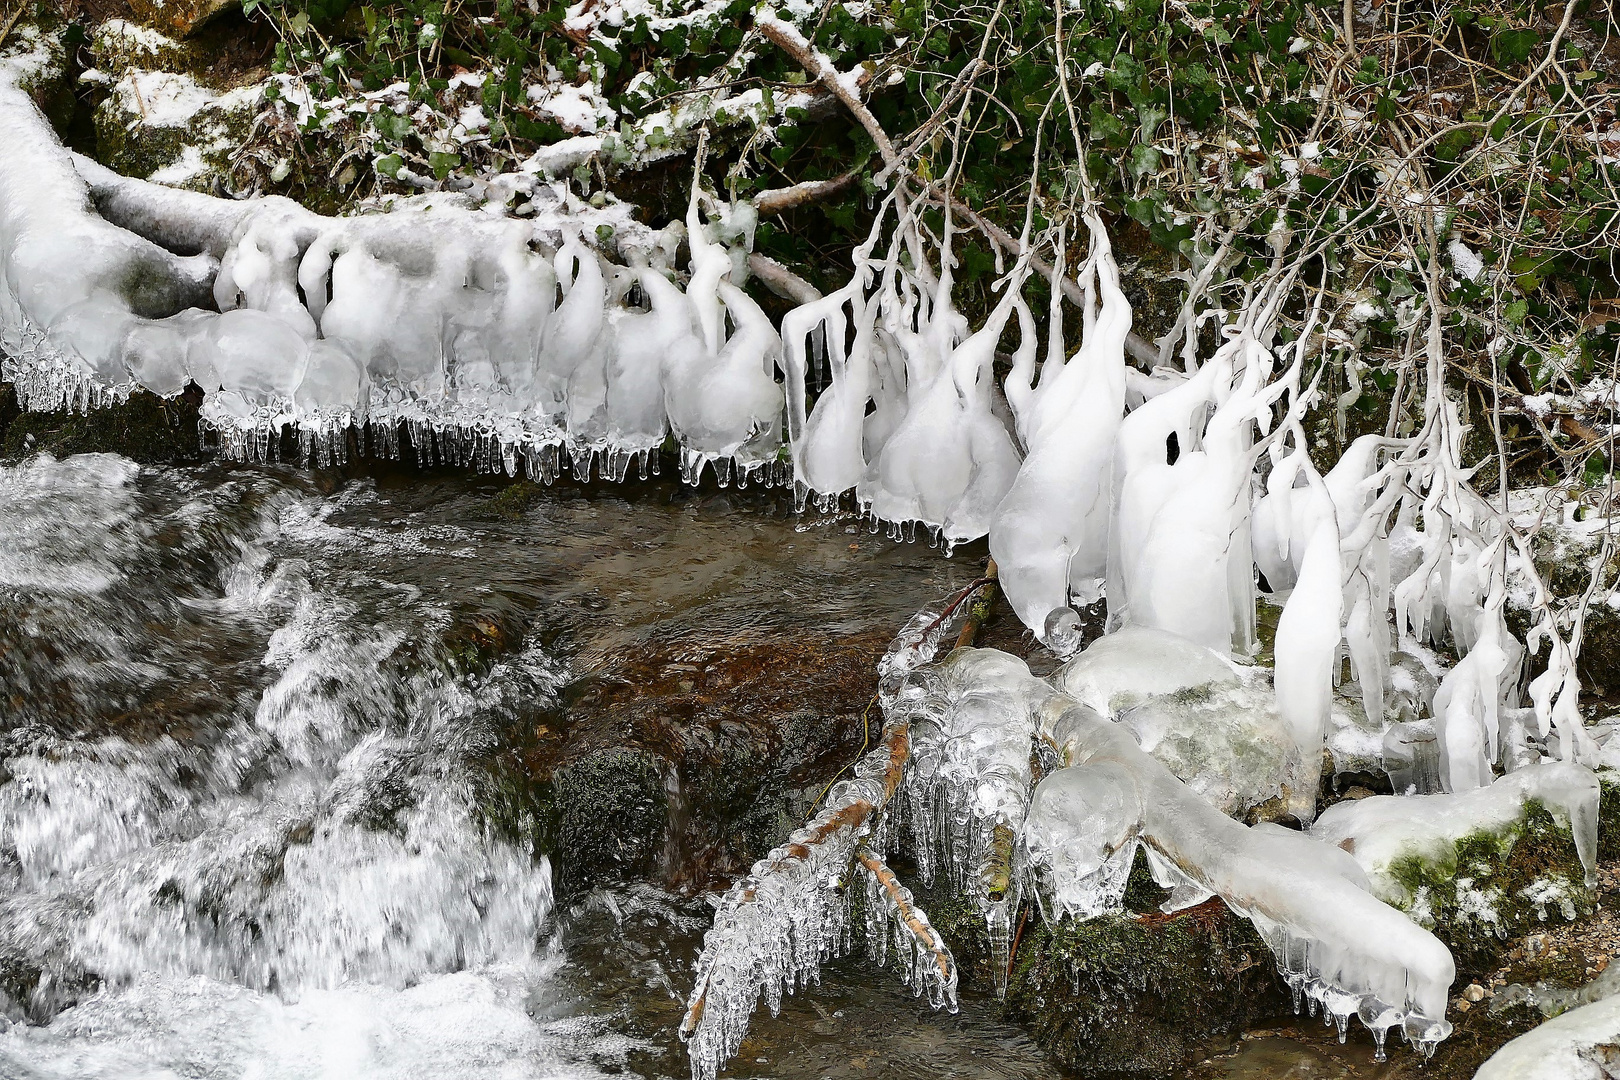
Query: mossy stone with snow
{"points": [[36, 57], [1135, 996], [167, 128], [1497, 884], [120, 47]]}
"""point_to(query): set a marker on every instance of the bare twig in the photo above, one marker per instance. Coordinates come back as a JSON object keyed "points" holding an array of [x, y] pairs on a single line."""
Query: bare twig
{"points": [[979, 610], [781, 200], [12, 22], [782, 281]]}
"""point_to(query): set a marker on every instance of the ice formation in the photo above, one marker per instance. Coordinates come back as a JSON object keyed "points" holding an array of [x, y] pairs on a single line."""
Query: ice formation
{"points": [[1579, 1045], [1050, 535], [533, 344], [1129, 666], [793, 911], [1380, 830], [505, 341], [536, 345], [970, 797]]}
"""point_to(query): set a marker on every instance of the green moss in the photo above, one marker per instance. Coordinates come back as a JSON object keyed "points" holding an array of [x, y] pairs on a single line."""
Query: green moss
{"points": [[128, 144], [118, 50], [146, 428], [1608, 849], [612, 814], [1483, 893], [515, 499], [1133, 996], [1141, 996]]}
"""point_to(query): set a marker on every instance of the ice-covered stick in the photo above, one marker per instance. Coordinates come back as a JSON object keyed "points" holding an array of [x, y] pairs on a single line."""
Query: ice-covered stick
{"points": [[775, 927], [1333, 940], [888, 901]]}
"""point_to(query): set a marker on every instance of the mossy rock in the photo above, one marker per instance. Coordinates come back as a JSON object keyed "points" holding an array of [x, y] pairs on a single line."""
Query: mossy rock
{"points": [[180, 17], [1142, 996], [146, 428], [517, 498], [612, 814], [184, 136], [39, 43], [1500, 885], [120, 46], [1136, 996]]}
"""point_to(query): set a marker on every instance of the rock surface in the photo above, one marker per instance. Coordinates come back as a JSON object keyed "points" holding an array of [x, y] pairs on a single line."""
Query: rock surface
{"points": [[180, 17]]}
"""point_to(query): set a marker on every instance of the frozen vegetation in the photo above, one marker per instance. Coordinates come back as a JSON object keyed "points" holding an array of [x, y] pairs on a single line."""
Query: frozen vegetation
{"points": [[536, 343]]}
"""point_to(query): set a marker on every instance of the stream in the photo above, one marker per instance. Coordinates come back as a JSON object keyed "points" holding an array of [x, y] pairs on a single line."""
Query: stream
{"points": [[246, 772]]}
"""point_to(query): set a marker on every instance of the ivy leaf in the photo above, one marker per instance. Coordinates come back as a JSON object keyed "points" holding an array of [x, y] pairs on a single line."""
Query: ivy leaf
{"points": [[1514, 47], [442, 163]]}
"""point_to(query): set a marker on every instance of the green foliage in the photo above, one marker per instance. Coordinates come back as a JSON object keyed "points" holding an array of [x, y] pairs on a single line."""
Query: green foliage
{"points": [[1194, 119]]}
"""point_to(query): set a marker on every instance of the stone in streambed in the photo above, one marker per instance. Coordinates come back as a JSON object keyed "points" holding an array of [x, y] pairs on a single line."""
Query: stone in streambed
{"points": [[1136, 996]]}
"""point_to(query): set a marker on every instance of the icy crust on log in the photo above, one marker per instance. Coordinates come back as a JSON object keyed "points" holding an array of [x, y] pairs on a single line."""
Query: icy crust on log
{"points": [[504, 343], [1335, 943], [1381, 830], [956, 774]]}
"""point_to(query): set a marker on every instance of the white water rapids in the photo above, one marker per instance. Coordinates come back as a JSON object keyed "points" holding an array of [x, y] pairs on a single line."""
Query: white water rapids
{"points": [[296, 885]]}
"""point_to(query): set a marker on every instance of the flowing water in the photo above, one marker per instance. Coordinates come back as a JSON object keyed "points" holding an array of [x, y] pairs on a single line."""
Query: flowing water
{"points": [[246, 772]]}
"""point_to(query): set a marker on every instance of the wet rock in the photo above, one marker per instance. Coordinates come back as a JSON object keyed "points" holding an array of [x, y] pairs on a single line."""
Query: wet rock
{"points": [[688, 759], [146, 428], [1136, 996], [180, 17]]}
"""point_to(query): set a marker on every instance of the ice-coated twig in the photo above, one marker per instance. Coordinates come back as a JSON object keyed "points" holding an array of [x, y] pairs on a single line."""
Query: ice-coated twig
{"points": [[775, 928], [889, 905]]}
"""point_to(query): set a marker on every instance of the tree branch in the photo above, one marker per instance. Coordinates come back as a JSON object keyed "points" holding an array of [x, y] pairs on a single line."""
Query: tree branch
{"points": [[781, 200], [787, 38], [926, 937], [782, 281]]}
